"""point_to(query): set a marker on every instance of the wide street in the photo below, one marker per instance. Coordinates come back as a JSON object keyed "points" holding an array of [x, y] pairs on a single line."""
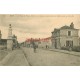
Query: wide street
{"points": [[50, 58], [27, 57], [15, 58]]}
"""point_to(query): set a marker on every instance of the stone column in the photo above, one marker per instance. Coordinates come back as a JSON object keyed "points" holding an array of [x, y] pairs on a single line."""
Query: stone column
{"points": [[9, 44], [10, 40]]}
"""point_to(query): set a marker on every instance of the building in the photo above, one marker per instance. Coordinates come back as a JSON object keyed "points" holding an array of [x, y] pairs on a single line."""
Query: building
{"points": [[65, 36], [3, 42], [0, 35], [15, 42], [79, 41], [45, 43], [40, 42], [9, 43]]}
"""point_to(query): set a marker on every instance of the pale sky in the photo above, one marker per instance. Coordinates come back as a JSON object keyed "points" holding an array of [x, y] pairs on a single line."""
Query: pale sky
{"points": [[35, 26]]}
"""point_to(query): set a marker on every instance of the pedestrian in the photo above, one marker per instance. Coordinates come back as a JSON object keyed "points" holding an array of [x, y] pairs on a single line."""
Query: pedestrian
{"points": [[34, 47], [70, 47], [46, 46]]}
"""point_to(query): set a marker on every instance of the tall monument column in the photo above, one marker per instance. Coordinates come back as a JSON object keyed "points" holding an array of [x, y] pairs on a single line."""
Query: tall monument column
{"points": [[10, 40]]}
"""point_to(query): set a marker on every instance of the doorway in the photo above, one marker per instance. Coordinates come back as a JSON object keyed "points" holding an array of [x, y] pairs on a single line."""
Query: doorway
{"points": [[69, 43]]}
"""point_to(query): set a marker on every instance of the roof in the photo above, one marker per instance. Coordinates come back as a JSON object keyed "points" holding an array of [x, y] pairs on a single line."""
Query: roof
{"points": [[3, 40], [65, 27], [56, 30]]}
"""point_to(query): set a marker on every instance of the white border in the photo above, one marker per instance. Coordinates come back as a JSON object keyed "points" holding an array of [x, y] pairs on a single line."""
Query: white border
{"points": [[40, 73], [39, 7]]}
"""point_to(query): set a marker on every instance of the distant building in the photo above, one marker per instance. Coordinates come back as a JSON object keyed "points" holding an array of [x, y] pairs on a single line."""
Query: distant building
{"points": [[40, 42], [3, 42], [65, 36], [0, 35], [79, 41], [9, 43], [15, 42], [45, 43]]}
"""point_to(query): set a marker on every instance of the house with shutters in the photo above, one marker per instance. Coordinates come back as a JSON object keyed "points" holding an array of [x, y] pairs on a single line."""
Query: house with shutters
{"points": [[65, 36]]}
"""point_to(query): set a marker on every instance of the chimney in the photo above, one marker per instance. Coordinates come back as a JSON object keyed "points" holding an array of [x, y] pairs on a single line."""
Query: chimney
{"points": [[72, 25]]}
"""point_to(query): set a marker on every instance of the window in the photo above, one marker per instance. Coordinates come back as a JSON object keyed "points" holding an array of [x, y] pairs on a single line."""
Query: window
{"points": [[69, 33]]}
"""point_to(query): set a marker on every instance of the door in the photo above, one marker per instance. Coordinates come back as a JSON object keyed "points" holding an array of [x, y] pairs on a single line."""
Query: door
{"points": [[69, 43], [55, 43]]}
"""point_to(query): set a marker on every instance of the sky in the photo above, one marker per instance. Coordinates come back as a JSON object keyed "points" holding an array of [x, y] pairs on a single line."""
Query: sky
{"points": [[35, 26]]}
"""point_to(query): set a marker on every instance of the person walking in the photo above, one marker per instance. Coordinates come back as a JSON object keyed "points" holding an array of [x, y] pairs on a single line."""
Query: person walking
{"points": [[34, 47]]}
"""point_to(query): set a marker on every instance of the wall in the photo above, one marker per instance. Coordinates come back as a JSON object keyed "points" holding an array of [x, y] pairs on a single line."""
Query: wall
{"points": [[64, 32], [43, 44], [9, 44], [3, 46], [74, 39]]}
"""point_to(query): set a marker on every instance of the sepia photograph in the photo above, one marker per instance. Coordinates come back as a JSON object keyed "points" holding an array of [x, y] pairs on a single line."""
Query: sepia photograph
{"points": [[39, 40]]}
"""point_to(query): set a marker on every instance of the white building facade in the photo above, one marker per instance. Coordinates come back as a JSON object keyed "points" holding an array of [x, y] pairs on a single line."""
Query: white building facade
{"points": [[65, 36]]}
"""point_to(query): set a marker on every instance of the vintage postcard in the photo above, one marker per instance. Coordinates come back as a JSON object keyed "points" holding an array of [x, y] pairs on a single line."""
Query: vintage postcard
{"points": [[39, 40]]}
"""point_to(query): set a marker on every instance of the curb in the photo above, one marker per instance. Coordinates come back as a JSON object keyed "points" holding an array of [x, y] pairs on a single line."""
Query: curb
{"points": [[66, 52]]}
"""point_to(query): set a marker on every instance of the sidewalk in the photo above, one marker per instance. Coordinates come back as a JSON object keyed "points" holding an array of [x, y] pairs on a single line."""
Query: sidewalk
{"points": [[66, 52], [7, 58], [3, 54], [14, 58]]}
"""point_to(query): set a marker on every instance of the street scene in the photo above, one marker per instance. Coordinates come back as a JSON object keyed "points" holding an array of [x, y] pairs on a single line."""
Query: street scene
{"points": [[39, 40], [26, 57]]}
